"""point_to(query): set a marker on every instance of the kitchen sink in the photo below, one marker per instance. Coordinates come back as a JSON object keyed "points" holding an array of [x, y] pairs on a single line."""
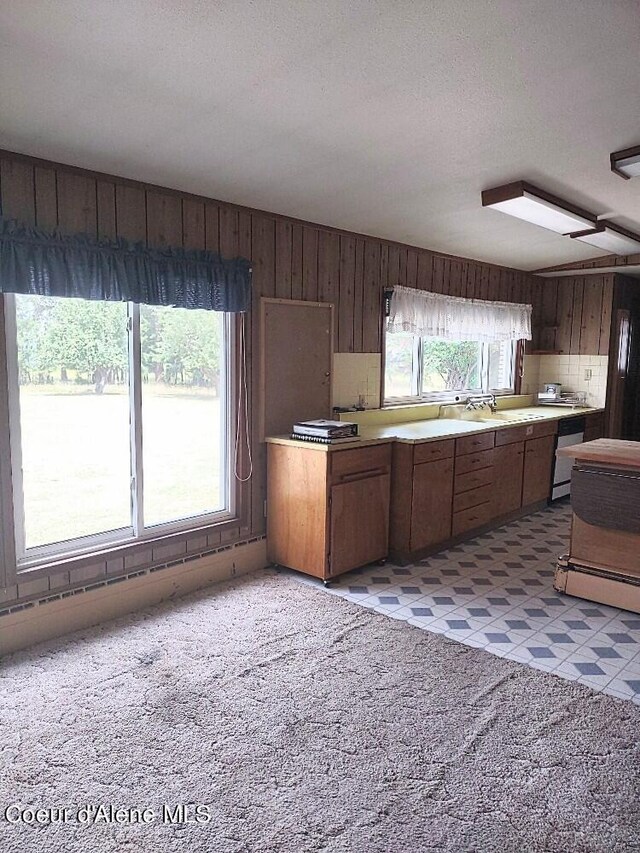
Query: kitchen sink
{"points": [[509, 416], [513, 417], [519, 416], [486, 417]]}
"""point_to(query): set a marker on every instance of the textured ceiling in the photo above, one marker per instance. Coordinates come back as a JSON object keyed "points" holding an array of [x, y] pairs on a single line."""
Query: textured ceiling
{"points": [[386, 118]]}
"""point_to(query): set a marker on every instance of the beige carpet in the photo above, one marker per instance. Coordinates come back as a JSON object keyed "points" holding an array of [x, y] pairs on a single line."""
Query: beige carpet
{"points": [[305, 723]]}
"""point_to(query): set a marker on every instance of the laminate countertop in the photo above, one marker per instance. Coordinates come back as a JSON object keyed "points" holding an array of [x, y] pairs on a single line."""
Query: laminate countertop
{"points": [[433, 429], [606, 451], [437, 428], [350, 444]]}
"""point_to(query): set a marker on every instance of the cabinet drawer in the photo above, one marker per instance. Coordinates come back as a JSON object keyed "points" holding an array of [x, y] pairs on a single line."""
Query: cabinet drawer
{"points": [[472, 443], [474, 497], [542, 429], [474, 461], [472, 480], [510, 435], [374, 459], [432, 450], [467, 519]]}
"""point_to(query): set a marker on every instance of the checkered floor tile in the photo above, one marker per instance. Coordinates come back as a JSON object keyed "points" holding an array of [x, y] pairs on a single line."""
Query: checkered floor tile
{"points": [[495, 592]]}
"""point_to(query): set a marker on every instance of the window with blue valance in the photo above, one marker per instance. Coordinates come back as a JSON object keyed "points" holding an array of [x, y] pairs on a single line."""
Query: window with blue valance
{"points": [[35, 262]]}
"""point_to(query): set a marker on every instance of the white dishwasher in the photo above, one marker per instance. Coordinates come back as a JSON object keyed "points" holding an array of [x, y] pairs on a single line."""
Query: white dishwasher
{"points": [[570, 431]]}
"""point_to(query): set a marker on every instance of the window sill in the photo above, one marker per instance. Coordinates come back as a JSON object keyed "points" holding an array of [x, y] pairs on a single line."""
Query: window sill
{"points": [[129, 555], [440, 401]]}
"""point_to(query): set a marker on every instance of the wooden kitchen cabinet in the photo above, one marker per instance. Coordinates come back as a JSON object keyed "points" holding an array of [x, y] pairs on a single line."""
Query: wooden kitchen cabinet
{"points": [[538, 464], [469, 519], [508, 463], [593, 426], [327, 508], [431, 503], [421, 495], [449, 488], [359, 523], [473, 482]]}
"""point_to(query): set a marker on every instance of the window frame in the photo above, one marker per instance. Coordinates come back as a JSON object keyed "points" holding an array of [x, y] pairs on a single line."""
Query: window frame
{"points": [[7, 545], [447, 396], [137, 533]]}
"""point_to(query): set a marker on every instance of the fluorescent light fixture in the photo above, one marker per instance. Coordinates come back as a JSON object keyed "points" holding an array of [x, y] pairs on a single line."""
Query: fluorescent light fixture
{"points": [[626, 163], [612, 239], [538, 207]]}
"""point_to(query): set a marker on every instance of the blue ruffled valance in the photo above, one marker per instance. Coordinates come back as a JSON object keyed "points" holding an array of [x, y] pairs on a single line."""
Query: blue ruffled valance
{"points": [[53, 264]]}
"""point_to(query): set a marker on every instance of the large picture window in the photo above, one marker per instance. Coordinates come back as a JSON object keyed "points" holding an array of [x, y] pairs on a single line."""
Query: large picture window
{"points": [[120, 421]]}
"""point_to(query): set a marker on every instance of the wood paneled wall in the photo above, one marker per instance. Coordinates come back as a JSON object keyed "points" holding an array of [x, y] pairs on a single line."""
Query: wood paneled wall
{"points": [[572, 315], [290, 258]]}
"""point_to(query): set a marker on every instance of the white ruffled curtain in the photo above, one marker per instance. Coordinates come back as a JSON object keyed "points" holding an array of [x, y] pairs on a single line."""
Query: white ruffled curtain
{"points": [[453, 318]]}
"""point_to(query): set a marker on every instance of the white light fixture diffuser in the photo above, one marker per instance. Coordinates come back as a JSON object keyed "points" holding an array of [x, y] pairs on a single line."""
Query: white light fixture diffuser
{"points": [[626, 163], [526, 202], [611, 239]]}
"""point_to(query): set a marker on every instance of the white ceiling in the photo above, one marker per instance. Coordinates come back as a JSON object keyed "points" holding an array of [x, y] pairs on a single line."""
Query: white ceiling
{"points": [[386, 117]]}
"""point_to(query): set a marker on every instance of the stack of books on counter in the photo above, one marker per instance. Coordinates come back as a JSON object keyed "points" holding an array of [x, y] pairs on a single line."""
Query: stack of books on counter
{"points": [[325, 432]]}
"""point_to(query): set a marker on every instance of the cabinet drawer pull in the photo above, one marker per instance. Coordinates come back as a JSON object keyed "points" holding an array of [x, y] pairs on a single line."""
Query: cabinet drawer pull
{"points": [[362, 475]]}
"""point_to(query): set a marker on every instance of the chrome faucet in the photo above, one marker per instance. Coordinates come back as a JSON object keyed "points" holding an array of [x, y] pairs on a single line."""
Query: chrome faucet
{"points": [[480, 401]]}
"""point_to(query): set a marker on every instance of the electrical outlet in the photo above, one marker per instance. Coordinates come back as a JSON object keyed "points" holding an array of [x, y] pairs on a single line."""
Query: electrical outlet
{"points": [[588, 374]]}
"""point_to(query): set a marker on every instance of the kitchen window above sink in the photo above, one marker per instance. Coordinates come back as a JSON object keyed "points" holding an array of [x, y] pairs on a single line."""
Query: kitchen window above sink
{"points": [[429, 368], [440, 347]]}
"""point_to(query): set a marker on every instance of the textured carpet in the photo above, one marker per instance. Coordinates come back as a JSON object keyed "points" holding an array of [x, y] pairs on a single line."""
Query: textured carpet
{"points": [[304, 723]]}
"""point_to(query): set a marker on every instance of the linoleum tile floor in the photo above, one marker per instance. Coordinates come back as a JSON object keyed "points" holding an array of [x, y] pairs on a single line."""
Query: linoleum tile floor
{"points": [[495, 592]]}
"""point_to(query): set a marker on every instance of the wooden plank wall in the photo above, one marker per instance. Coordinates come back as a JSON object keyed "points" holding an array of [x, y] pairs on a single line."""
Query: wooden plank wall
{"points": [[290, 259], [572, 314]]}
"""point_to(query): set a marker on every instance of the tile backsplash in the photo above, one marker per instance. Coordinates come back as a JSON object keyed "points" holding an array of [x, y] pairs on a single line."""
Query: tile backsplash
{"points": [[357, 376], [357, 379], [583, 373]]}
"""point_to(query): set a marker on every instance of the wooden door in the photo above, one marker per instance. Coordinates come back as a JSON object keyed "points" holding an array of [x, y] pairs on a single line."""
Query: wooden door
{"points": [[508, 470], [359, 523], [538, 463], [296, 362], [619, 373], [431, 505]]}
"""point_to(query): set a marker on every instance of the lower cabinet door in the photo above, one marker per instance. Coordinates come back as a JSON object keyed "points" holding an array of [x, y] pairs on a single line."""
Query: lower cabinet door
{"points": [[508, 467], [431, 505], [538, 462], [359, 523]]}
